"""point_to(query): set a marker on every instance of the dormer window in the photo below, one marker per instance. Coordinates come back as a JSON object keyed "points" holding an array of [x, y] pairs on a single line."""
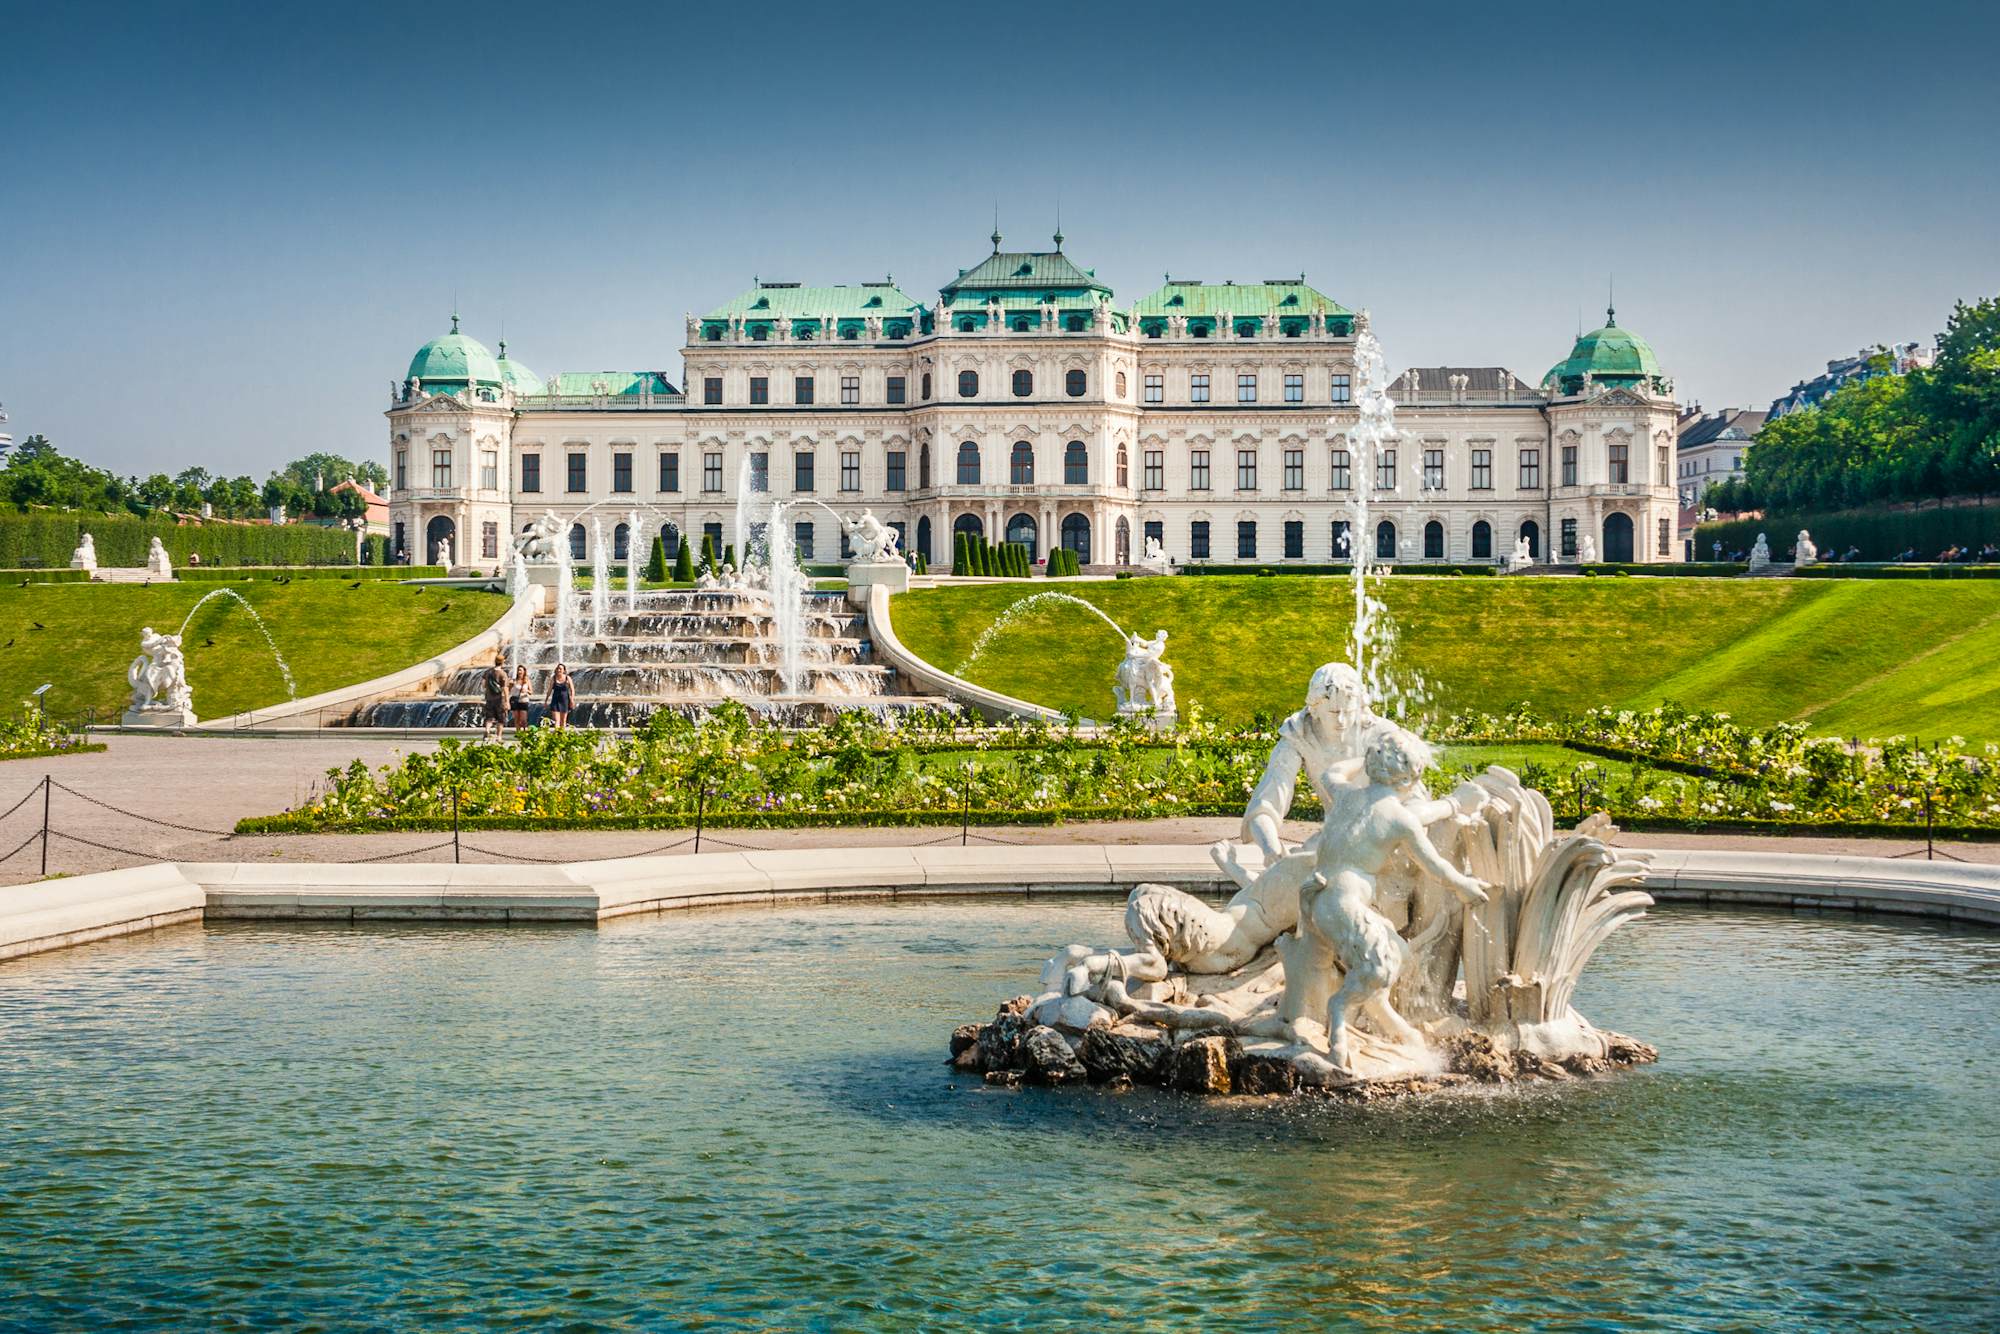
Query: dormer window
{"points": [[763, 303]]}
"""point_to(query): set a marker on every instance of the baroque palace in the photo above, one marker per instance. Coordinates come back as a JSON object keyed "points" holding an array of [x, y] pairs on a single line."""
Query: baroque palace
{"points": [[1024, 404]]}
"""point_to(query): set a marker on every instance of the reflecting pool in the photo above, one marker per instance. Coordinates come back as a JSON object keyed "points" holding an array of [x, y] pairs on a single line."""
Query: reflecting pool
{"points": [[742, 1119]]}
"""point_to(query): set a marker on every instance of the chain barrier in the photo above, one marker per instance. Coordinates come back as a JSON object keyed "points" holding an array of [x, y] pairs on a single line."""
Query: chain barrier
{"points": [[149, 819], [391, 856], [25, 844]]}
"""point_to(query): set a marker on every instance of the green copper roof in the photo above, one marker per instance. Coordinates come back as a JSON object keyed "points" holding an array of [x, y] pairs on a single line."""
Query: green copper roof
{"points": [[1049, 271], [1281, 298], [455, 358], [793, 301], [516, 376], [614, 384], [1611, 354]]}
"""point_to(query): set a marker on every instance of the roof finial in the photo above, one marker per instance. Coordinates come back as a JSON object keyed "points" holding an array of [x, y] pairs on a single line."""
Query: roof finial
{"points": [[1610, 301], [996, 226], [1058, 224], [454, 320]]}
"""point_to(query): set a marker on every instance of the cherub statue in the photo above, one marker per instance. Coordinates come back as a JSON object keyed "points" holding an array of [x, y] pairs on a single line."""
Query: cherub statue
{"points": [[158, 676], [1588, 550], [444, 552], [157, 562], [1145, 682], [538, 542], [1370, 823], [874, 541], [1807, 550], [85, 556]]}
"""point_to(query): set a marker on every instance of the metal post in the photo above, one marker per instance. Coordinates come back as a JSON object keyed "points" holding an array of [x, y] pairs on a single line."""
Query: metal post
{"points": [[454, 824], [45, 825], [1930, 849], [700, 810], [965, 815]]}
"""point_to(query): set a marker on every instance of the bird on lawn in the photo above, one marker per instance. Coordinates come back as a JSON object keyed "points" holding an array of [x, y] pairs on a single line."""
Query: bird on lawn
{"points": [[444, 607], [8, 644], [39, 626], [355, 584], [208, 642]]}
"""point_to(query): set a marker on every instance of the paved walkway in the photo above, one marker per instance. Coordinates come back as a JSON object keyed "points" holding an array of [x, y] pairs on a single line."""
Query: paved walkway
{"points": [[205, 784]]}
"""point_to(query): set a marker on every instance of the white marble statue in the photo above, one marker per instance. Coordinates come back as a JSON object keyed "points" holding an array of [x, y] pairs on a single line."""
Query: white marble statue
{"points": [[85, 556], [1145, 683], [1523, 556], [1587, 550], [537, 543], [1154, 557], [157, 562], [1405, 935], [874, 542], [1807, 551], [158, 676], [443, 553], [1760, 554]]}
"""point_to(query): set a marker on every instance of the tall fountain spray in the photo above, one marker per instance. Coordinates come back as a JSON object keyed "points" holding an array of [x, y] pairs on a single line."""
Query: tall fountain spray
{"points": [[565, 597], [787, 589], [600, 576], [517, 588], [1397, 695], [632, 561]]}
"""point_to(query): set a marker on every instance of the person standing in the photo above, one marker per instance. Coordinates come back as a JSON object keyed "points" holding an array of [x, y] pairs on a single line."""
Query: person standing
{"points": [[562, 697], [495, 683], [523, 696]]}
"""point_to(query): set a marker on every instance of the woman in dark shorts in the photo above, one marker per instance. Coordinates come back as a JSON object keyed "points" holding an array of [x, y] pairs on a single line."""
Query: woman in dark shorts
{"points": [[523, 697], [562, 697]]}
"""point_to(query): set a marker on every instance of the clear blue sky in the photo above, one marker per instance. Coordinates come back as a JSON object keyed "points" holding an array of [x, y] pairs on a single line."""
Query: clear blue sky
{"points": [[224, 229]]}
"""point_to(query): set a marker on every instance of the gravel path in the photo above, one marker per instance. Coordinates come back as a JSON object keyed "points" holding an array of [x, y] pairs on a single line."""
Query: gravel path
{"points": [[208, 783]]}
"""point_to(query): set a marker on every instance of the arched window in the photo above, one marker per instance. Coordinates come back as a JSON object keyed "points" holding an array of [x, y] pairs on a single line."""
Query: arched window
{"points": [[1246, 329], [968, 464], [966, 325], [1074, 324], [1021, 530], [1073, 383], [760, 333], [670, 538], [1197, 330], [1076, 536], [1021, 325], [1021, 464], [1532, 532], [850, 333], [579, 543], [924, 467], [1076, 464], [927, 386], [1385, 540], [1482, 540], [1433, 540], [924, 538], [1121, 542], [1121, 384], [968, 524], [968, 384], [1024, 383], [621, 543], [1124, 470]]}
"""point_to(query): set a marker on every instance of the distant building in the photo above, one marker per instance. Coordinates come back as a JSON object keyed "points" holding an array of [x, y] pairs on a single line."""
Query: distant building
{"points": [[1711, 449], [6, 441], [377, 514], [1900, 359]]}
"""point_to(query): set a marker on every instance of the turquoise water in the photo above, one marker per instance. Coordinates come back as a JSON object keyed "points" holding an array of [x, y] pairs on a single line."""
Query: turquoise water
{"points": [[741, 1120]]}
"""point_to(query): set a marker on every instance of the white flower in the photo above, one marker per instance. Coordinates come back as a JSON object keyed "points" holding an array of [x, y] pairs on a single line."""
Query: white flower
{"points": [[1782, 806]]}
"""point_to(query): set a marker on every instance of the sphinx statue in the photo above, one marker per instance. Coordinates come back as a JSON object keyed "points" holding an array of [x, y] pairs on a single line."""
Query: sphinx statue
{"points": [[158, 564], [85, 556]]}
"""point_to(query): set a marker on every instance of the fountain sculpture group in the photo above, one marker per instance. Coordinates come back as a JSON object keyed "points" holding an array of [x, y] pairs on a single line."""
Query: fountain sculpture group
{"points": [[158, 677], [1411, 941]]}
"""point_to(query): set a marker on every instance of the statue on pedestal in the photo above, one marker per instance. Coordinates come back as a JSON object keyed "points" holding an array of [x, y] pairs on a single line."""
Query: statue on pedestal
{"points": [[1760, 554], [1807, 551], [157, 563], [85, 555], [537, 543], [1587, 550], [874, 542], [444, 553], [1145, 683], [158, 677]]}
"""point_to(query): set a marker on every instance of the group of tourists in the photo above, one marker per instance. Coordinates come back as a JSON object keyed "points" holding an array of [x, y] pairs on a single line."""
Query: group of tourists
{"points": [[512, 695]]}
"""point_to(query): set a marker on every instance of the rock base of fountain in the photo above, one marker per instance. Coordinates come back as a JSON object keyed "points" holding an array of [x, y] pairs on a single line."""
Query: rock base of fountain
{"points": [[893, 575], [1087, 1046]]}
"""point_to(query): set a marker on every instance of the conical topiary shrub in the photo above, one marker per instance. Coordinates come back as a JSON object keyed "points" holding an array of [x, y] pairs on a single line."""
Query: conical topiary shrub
{"points": [[656, 562], [684, 563]]}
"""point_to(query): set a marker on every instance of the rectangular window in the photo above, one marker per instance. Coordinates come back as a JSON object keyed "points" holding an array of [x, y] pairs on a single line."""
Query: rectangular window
{"points": [[1198, 387], [579, 473], [760, 471], [1154, 531], [402, 470], [489, 540], [711, 390], [1569, 465], [1385, 470], [1434, 470], [850, 390], [489, 470], [441, 468], [1569, 538], [1155, 475], [1531, 470], [1198, 540], [1197, 470], [802, 389], [850, 470], [1156, 388], [802, 471], [802, 538], [1342, 470], [711, 472], [1246, 539], [1662, 469], [760, 389], [1295, 539], [897, 392], [1341, 541], [1295, 389], [531, 473], [1246, 388], [1246, 470], [1295, 470], [1666, 537], [621, 472], [1343, 389], [1482, 470], [895, 457], [670, 472], [1621, 465]]}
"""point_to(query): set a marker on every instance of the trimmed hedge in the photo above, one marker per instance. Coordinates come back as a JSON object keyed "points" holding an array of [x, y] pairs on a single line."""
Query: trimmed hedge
{"points": [[1667, 570], [1321, 570], [47, 539], [1859, 571], [1881, 535], [216, 574], [62, 576]]}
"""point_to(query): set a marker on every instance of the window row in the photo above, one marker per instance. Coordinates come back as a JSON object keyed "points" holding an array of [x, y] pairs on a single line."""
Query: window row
{"points": [[1200, 388], [805, 390]]}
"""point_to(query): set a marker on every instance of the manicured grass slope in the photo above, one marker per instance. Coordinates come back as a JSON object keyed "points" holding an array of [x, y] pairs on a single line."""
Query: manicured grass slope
{"points": [[330, 634], [1864, 658]]}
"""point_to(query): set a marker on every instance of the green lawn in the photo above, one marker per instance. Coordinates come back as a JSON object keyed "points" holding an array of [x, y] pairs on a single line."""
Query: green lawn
{"points": [[1856, 657], [330, 633]]}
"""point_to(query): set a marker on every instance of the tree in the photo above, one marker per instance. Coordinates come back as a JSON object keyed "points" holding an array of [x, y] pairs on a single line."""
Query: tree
{"points": [[656, 561], [684, 563]]}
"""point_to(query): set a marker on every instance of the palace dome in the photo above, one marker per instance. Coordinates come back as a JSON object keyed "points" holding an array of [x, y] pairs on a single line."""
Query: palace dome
{"points": [[1610, 354], [455, 358], [518, 377]]}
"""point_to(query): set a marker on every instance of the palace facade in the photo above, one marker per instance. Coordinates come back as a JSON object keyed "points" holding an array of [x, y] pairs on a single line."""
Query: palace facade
{"points": [[1024, 404]]}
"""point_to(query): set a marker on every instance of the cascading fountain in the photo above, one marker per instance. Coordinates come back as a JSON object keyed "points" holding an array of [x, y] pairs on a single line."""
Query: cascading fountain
{"points": [[1399, 693], [600, 577], [632, 560]]}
